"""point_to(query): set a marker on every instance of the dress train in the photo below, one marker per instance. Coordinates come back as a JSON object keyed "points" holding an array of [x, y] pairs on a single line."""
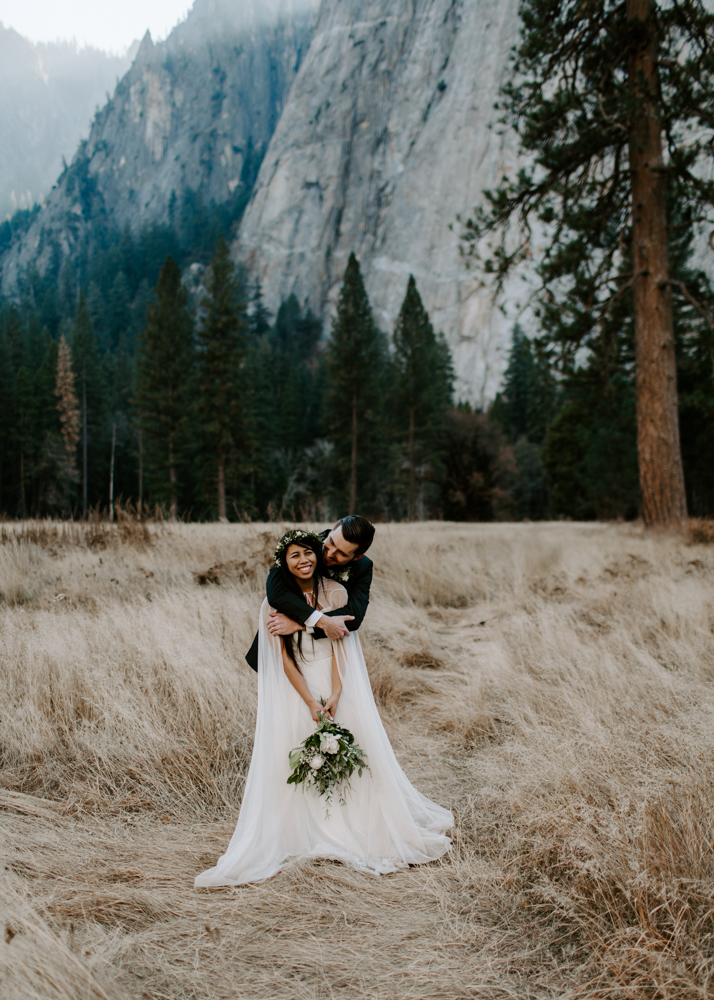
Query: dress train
{"points": [[385, 823]]}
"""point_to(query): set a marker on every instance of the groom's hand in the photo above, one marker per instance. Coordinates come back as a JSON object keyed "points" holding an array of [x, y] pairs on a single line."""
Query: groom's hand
{"points": [[334, 627], [282, 625]]}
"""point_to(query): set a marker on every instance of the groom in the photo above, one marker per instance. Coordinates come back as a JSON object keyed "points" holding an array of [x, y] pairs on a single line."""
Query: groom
{"points": [[344, 559]]}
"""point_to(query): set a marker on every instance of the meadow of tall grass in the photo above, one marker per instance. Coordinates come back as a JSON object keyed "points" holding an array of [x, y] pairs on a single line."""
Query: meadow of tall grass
{"points": [[550, 683]]}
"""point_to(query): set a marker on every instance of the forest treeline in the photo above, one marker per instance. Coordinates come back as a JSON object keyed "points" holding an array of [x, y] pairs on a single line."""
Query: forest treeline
{"points": [[150, 371]]}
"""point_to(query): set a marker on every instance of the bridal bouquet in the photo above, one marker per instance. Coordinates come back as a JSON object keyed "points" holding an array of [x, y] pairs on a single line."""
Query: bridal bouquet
{"points": [[327, 760]]}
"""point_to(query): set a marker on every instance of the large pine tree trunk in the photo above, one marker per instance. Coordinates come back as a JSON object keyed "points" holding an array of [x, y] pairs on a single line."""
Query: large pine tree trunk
{"points": [[660, 460], [221, 487], [412, 470], [353, 462]]}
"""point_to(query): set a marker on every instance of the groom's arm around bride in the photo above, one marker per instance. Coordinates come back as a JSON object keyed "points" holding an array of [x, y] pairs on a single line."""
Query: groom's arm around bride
{"points": [[344, 559]]}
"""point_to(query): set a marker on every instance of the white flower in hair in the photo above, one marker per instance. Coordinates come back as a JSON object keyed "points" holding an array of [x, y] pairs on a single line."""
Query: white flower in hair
{"points": [[296, 535]]}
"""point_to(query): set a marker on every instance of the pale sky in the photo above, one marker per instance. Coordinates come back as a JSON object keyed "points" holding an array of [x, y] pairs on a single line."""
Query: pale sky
{"points": [[111, 25]]}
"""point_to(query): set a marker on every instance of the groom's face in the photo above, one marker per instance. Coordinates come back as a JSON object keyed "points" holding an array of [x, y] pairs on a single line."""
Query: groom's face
{"points": [[336, 550]]}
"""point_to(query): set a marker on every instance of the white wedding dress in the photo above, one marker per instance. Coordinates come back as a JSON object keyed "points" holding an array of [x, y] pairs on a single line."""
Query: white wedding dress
{"points": [[385, 823]]}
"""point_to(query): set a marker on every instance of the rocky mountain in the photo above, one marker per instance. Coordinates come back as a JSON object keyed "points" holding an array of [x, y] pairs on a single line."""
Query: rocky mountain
{"points": [[367, 125], [48, 94], [193, 114], [384, 141]]}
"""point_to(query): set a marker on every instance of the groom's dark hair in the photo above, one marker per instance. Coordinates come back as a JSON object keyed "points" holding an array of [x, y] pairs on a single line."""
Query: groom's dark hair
{"points": [[357, 530]]}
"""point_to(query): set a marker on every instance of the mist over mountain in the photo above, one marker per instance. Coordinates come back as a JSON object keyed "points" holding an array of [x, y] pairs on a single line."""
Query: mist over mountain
{"points": [[48, 95], [191, 119]]}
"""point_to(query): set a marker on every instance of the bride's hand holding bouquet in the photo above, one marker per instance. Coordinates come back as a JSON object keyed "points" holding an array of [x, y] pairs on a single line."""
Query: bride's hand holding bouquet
{"points": [[327, 759]]}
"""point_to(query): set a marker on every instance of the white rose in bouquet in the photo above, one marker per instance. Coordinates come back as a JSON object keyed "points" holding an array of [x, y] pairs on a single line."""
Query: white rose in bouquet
{"points": [[316, 762], [330, 744]]}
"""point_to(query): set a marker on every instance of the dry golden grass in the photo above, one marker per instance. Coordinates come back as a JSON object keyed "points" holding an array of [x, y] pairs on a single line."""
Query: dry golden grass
{"points": [[552, 684]]}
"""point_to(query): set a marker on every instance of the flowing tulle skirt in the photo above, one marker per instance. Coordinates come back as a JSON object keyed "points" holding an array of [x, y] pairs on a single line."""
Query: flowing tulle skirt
{"points": [[384, 824]]}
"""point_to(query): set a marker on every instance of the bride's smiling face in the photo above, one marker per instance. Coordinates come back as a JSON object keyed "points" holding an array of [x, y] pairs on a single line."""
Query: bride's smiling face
{"points": [[300, 561]]}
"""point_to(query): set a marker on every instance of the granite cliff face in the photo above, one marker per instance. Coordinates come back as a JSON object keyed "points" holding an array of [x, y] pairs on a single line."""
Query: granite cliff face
{"points": [[383, 142], [375, 116], [194, 112]]}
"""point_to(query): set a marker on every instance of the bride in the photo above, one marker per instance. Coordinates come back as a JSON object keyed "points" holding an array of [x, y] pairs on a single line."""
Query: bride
{"points": [[384, 823]]}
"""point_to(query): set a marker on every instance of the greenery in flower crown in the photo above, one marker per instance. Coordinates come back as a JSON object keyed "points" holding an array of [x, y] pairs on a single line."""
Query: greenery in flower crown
{"points": [[295, 535], [327, 759]]}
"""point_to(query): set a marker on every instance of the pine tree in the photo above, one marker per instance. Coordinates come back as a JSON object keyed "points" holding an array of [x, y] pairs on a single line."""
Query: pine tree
{"points": [[6, 384], [45, 385], [259, 321], [221, 342], [163, 379], [355, 363], [597, 89], [23, 419], [422, 390], [87, 372], [62, 457], [694, 334], [261, 423], [479, 468], [282, 397], [590, 452], [517, 385], [67, 403]]}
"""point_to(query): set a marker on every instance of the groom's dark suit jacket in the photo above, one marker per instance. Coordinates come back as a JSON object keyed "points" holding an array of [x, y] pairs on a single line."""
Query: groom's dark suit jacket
{"points": [[292, 606]]}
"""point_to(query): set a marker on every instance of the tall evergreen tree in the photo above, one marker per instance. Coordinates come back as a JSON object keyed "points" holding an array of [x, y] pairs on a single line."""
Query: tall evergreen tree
{"points": [[259, 320], [590, 452], [23, 420], [525, 408], [68, 412], [51, 471], [527, 402], [221, 342], [694, 334], [7, 477], [479, 469], [67, 403], [282, 390], [87, 371], [597, 90], [261, 423], [163, 378], [355, 364], [421, 393]]}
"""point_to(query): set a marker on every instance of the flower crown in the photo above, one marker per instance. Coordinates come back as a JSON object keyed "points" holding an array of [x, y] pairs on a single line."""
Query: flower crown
{"points": [[296, 535]]}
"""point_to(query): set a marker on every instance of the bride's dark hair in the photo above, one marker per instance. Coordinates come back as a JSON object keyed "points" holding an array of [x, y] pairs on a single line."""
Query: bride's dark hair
{"points": [[313, 543]]}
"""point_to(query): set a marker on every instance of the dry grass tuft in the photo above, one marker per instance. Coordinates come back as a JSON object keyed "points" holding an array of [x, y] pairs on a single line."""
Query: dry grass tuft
{"points": [[423, 661], [700, 531], [94, 533], [236, 568], [254, 564], [552, 684]]}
